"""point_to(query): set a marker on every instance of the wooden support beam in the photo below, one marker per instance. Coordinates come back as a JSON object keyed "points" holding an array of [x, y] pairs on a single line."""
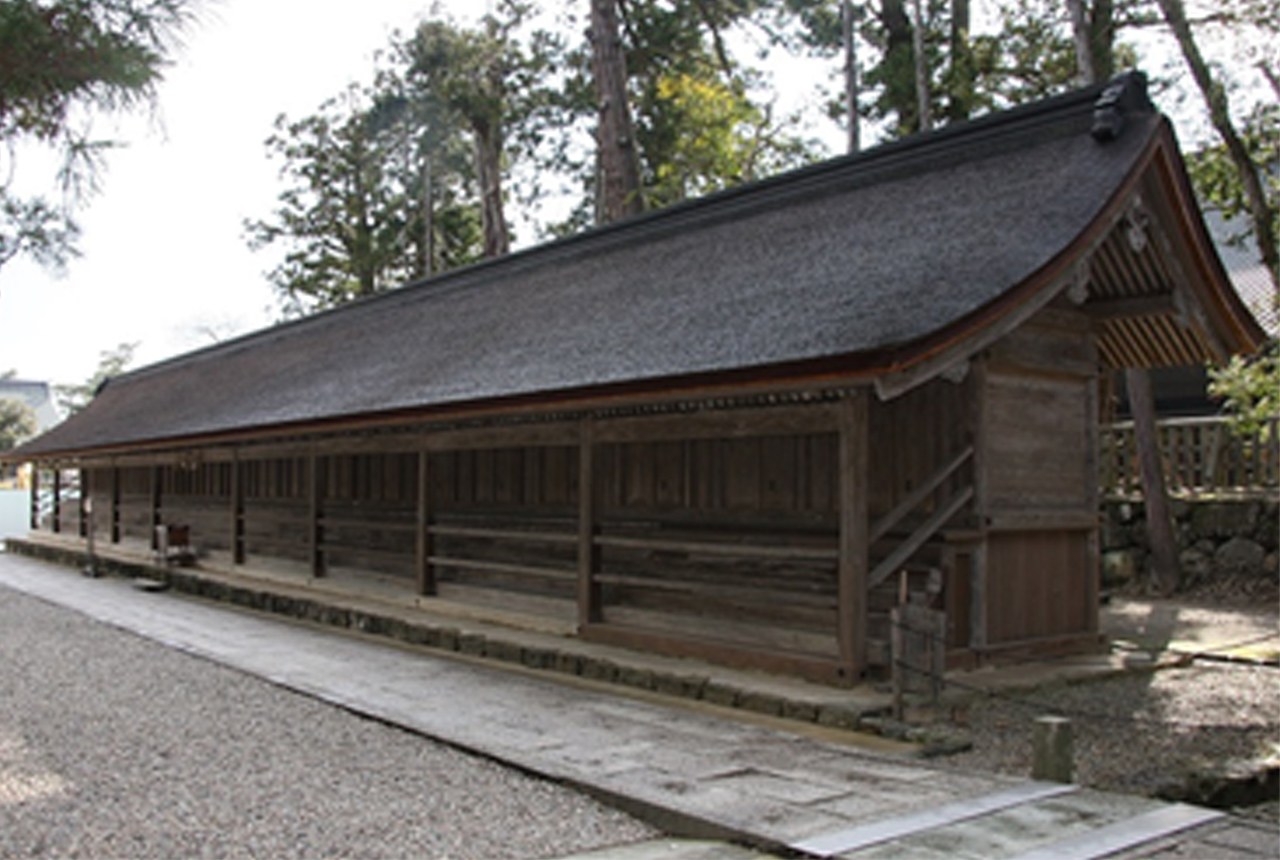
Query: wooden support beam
{"points": [[979, 380], [854, 480], [237, 511], [57, 501], [115, 504], [86, 503], [589, 593], [315, 514], [1160, 304], [35, 497], [425, 567], [919, 537], [156, 517]]}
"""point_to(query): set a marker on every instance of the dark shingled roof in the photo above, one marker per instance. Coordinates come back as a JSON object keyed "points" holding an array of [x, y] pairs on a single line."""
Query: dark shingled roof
{"points": [[863, 255]]}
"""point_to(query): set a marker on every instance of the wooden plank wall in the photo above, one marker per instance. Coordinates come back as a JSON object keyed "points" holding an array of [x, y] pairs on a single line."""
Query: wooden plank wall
{"points": [[728, 539], [1041, 432]]}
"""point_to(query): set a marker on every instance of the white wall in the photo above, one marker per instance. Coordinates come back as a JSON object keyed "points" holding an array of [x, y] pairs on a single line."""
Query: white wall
{"points": [[15, 513]]}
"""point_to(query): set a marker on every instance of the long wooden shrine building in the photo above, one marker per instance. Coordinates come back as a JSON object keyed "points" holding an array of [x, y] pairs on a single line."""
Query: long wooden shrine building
{"points": [[733, 429]]}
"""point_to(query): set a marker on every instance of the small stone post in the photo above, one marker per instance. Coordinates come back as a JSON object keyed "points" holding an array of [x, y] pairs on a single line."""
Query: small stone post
{"points": [[1053, 758]]}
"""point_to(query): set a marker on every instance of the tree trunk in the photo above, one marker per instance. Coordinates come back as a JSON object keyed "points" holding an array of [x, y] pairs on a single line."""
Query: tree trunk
{"points": [[1083, 39], [1215, 96], [963, 73], [493, 219], [899, 61], [619, 176], [850, 75], [1164, 550], [1102, 39], [920, 61]]}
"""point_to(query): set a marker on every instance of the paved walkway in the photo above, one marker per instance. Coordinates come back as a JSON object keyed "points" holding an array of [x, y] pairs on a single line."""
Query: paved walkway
{"points": [[691, 773]]}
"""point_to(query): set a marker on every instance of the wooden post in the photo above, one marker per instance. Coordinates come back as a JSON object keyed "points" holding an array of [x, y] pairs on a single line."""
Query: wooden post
{"points": [[589, 595], [237, 511], [115, 504], [978, 381], [425, 569], [1164, 551], [854, 470], [82, 526], [155, 507], [315, 514], [57, 500], [35, 497]]}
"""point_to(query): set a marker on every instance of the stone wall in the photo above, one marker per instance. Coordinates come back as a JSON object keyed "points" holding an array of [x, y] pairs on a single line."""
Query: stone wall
{"points": [[1218, 541]]}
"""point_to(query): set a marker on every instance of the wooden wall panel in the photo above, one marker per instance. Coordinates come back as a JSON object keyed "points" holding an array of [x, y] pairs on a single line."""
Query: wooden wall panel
{"points": [[1038, 585], [1038, 431], [912, 436]]}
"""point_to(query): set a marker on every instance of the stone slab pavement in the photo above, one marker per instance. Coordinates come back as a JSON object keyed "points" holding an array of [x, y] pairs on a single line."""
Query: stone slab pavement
{"points": [[694, 775]]}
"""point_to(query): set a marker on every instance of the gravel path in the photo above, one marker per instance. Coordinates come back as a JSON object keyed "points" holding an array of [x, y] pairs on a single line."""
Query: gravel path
{"points": [[1140, 732], [112, 746]]}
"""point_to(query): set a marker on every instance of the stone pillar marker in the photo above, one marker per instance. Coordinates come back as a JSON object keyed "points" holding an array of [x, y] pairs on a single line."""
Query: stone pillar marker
{"points": [[1053, 757]]}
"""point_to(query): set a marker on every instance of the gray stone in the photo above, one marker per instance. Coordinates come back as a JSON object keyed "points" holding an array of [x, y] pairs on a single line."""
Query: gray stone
{"points": [[1225, 519], [1053, 750], [631, 676], [1120, 566], [761, 702], [1239, 557], [1196, 566], [721, 694], [839, 716], [500, 649], [1268, 531], [472, 643]]}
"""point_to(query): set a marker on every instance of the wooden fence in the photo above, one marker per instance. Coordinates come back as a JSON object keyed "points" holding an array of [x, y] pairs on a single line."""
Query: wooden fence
{"points": [[1201, 456]]}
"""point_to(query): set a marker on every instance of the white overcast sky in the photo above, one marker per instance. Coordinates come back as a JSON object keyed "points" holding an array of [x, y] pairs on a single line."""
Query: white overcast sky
{"points": [[164, 259]]}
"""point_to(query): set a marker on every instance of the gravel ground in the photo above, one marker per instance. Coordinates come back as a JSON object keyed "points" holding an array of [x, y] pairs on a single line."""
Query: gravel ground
{"points": [[1142, 732], [112, 746]]}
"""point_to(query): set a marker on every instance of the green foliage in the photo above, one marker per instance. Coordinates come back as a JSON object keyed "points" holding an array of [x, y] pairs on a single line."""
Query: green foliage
{"points": [[111, 362], [1249, 389], [713, 137], [17, 423], [496, 84], [1218, 181], [62, 61], [352, 218], [702, 122]]}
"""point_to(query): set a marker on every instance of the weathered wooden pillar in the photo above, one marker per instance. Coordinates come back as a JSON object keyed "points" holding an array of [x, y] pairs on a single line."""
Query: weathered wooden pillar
{"points": [[426, 571], [86, 503], [854, 473], [35, 497], [237, 511], [978, 382], [589, 596], [57, 501], [156, 518], [115, 504], [315, 513]]}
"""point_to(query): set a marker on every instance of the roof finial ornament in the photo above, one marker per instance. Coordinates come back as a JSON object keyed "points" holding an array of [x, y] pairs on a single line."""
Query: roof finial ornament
{"points": [[1125, 93], [1108, 113]]}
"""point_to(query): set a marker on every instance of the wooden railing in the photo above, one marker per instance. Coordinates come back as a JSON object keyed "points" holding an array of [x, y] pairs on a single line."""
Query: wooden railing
{"points": [[1201, 456]]}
